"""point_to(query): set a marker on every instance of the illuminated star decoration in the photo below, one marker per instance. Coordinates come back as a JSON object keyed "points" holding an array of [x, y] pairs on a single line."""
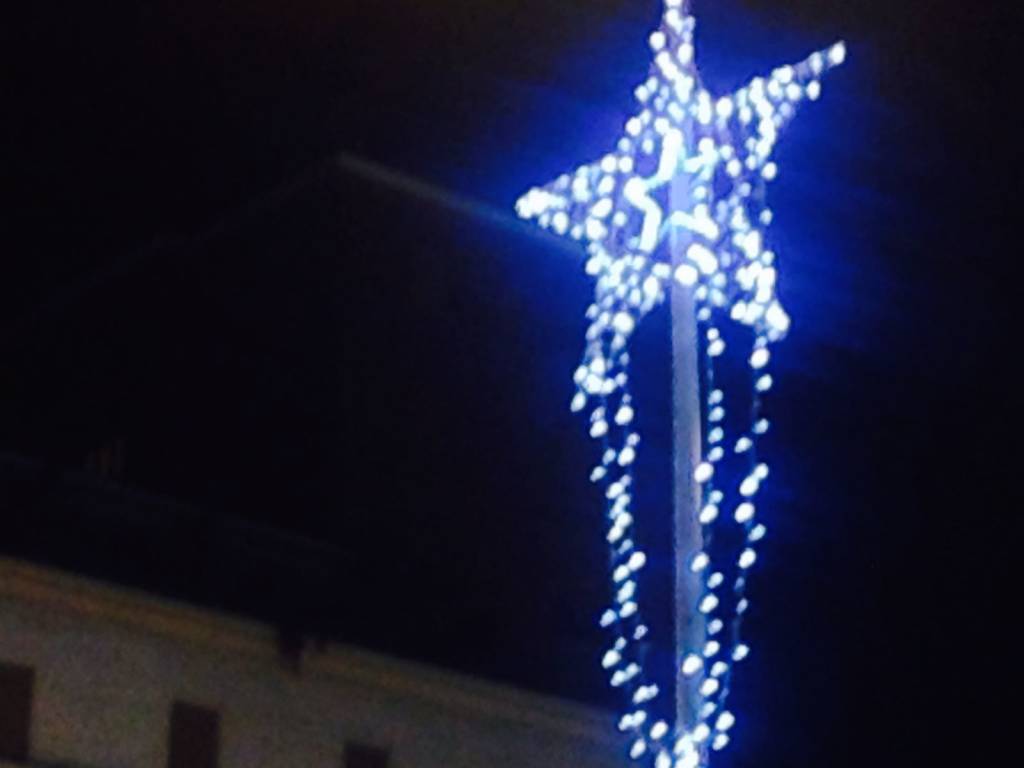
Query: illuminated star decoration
{"points": [[721, 150]]}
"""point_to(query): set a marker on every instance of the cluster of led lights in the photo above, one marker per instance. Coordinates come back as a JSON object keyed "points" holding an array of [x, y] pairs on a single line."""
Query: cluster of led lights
{"points": [[720, 152]]}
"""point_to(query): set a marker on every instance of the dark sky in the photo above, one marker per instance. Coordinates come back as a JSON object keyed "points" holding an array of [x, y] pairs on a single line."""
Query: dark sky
{"points": [[343, 406]]}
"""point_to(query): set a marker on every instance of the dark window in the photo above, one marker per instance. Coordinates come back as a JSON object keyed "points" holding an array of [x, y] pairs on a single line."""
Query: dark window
{"points": [[15, 711], [362, 756], [195, 737]]}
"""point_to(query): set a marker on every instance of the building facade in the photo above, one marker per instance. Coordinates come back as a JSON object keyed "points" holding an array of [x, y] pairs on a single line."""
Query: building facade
{"points": [[93, 676]]}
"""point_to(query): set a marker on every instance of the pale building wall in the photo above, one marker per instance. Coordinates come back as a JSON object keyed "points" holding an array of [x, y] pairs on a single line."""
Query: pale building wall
{"points": [[110, 662]]}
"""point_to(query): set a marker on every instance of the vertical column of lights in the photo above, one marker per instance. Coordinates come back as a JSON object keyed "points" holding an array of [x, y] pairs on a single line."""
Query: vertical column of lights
{"points": [[623, 296], [617, 205]]}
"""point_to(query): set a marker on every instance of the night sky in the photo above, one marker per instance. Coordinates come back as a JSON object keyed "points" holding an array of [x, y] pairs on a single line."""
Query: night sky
{"points": [[343, 404]]}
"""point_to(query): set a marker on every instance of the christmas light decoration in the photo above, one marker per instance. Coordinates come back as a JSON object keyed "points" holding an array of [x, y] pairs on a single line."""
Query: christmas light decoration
{"points": [[719, 151]]}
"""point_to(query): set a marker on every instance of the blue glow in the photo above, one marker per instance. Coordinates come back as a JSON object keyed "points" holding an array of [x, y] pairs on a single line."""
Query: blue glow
{"points": [[626, 208]]}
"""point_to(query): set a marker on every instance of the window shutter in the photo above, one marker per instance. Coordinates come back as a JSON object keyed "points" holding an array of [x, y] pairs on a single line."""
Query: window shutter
{"points": [[362, 756], [195, 737], [16, 683]]}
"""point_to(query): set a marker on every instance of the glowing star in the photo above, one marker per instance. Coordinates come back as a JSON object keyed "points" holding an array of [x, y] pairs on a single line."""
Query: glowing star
{"points": [[721, 148], [689, 170]]}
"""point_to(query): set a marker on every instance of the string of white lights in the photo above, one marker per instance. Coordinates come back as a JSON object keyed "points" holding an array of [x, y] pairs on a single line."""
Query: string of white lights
{"points": [[722, 151]]}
